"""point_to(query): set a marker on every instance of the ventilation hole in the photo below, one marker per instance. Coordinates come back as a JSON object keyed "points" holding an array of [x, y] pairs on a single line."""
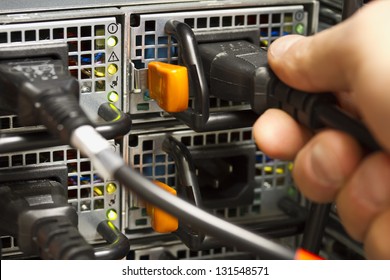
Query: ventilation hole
{"points": [[135, 21], [217, 251], [201, 23], [190, 22], [235, 137], [31, 159], [86, 31], [6, 242], [98, 204], [5, 123], [72, 46], [214, 22], [210, 139], [58, 156], [264, 19], [150, 25], [247, 135], [193, 254], [30, 35], [3, 38], [58, 33], [4, 161], [136, 159], [239, 20], [85, 166], [226, 21], [44, 34], [71, 154], [100, 30], [276, 18], [133, 140], [147, 145], [16, 36], [73, 181], [252, 20], [222, 138], [85, 205], [198, 140], [85, 192], [160, 158], [87, 46]]}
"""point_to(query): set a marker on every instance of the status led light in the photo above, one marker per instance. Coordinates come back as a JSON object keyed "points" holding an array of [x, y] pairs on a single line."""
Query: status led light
{"points": [[112, 69], [113, 96], [112, 41], [112, 215], [111, 188], [300, 28]]}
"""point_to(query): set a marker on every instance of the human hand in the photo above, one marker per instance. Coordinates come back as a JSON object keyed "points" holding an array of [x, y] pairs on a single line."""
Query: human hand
{"points": [[352, 60]]}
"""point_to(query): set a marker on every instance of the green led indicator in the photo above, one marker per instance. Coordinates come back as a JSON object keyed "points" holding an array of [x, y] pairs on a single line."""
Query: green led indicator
{"points": [[111, 188], [112, 215], [113, 96], [112, 41], [300, 29]]}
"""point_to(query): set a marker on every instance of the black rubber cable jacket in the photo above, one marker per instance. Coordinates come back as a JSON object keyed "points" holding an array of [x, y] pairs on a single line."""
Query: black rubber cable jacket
{"points": [[118, 247], [315, 226], [191, 59], [332, 117], [209, 224], [350, 7], [24, 141]]}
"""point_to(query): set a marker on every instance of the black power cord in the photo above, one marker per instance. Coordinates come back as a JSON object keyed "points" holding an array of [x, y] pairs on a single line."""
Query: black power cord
{"points": [[48, 97], [37, 213], [51, 101], [117, 124], [199, 118], [319, 213], [238, 70], [118, 245]]}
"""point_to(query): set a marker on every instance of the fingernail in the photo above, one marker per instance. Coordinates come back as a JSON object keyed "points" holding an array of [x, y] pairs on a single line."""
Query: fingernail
{"points": [[325, 167], [280, 46]]}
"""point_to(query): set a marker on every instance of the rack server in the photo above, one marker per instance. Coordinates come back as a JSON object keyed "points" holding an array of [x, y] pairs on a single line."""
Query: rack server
{"points": [[109, 47]]}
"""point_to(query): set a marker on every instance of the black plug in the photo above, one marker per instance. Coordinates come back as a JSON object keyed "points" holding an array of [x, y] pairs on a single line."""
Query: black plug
{"points": [[238, 71], [37, 213], [37, 86]]}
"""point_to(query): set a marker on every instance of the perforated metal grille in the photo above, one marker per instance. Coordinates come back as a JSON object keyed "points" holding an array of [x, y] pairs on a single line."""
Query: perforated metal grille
{"points": [[92, 56], [175, 250], [147, 156], [180, 251], [89, 194], [149, 42]]}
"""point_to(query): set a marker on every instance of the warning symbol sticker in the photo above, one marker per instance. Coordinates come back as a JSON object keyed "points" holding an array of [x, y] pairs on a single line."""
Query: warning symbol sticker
{"points": [[113, 57]]}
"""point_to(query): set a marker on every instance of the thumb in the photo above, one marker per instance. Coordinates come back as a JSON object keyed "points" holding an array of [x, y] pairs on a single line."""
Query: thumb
{"points": [[317, 63], [336, 60]]}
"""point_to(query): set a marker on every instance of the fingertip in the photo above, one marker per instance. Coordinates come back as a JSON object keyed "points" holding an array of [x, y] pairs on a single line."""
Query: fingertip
{"points": [[278, 135], [365, 195], [280, 46], [325, 164], [377, 242]]}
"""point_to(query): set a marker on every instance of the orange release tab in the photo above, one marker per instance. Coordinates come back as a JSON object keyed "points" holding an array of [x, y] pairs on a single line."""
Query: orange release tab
{"points": [[168, 85], [302, 254], [162, 222]]}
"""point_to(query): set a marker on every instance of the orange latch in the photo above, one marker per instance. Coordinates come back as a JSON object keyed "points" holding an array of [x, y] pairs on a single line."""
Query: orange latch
{"points": [[168, 86], [302, 254], [162, 222]]}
